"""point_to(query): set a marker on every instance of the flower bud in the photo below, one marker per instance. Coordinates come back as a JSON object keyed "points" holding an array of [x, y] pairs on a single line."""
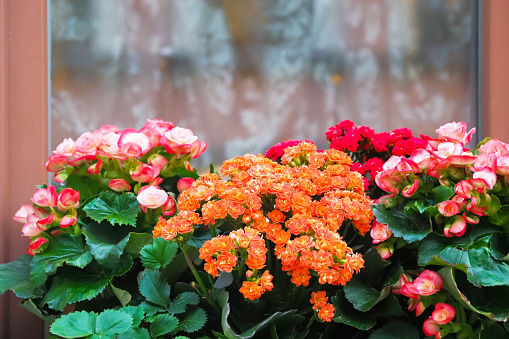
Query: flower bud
{"points": [[119, 185], [184, 184]]}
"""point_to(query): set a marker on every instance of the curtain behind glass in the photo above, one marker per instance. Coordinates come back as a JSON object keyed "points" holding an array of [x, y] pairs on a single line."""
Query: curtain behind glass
{"points": [[245, 74]]}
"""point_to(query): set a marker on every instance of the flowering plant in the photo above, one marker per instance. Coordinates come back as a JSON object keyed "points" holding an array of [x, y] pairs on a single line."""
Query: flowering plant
{"points": [[444, 219], [91, 246]]}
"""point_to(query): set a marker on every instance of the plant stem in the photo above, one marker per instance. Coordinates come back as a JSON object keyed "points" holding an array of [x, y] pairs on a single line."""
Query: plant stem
{"points": [[204, 290]]}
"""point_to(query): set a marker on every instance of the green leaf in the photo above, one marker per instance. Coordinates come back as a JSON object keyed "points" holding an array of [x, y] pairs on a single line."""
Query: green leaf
{"points": [[154, 288], [136, 243], [123, 296], [347, 314], [111, 322], [193, 321], [158, 254], [106, 243], [488, 301], [180, 303], [499, 244], [119, 209], [224, 279], [124, 265], [395, 329], [470, 253], [66, 248], [71, 285], [199, 238], [74, 325], [136, 314], [151, 309], [409, 227], [30, 306], [15, 276], [87, 186], [443, 193], [138, 333], [163, 324]]}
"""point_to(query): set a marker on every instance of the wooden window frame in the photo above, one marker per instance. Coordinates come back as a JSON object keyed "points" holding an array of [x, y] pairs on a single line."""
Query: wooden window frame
{"points": [[24, 96]]}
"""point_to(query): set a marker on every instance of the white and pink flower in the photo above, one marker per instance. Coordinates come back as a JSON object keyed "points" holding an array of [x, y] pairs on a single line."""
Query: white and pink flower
{"points": [[151, 197], [455, 132]]}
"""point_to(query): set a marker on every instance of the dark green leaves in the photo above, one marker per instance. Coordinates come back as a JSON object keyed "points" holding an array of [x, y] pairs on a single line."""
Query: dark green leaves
{"points": [[396, 329], [155, 289], [106, 243], [81, 324], [15, 276], [158, 254], [119, 209], [409, 227]]}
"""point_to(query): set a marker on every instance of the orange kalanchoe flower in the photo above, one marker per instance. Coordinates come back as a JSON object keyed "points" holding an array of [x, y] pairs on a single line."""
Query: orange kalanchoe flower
{"points": [[295, 208]]}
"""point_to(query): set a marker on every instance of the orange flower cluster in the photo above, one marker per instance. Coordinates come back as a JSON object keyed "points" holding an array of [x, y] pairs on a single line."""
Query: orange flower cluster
{"points": [[298, 205], [319, 302]]}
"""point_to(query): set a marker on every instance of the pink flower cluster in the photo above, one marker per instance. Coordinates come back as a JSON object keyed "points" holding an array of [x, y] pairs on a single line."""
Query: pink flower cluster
{"points": [[278, 150], [126, 147], [36, 220], [475, 176], [368, 149]]}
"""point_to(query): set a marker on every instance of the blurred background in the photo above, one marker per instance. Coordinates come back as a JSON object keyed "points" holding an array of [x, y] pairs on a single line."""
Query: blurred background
{"points": [[246, 74]]}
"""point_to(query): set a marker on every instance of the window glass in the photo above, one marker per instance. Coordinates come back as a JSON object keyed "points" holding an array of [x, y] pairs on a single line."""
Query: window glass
{"points": [[245, 74]]}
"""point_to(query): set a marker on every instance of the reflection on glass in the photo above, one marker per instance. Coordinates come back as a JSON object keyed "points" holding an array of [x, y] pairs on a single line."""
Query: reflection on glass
{"points": [[245, 74]]}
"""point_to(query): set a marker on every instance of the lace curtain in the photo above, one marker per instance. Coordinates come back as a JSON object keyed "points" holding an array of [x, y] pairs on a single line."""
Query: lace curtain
{"points": [[245, 74]]}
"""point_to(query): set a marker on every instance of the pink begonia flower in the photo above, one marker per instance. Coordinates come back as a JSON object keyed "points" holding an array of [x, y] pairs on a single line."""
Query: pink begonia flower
{"points": [[448, 208], [151, 197], [422, 158], [430, 328], [410, 190], [159, 125], [96, 168], [119, 185], [25, 212], [68, 198], [65, 148], [391, 163], [169, 207], [386, 183], [32, 229], [416, 305], [157, 160], [488, 175], [485, 160], [457, 226], [55, 162], [130, 135], [153, 135], [45, 197], [472, 207], [35, 246], [108, 129], [198, 147], [184, 184], [494, 146], [385, 250], [464, 189], [446, 149], [155, 182], [109, 144], [145, 173], [81, 159], [455, 131], [178, 140], [131, 149], [406, 166], [379, 232], [503, 164], [403, 279], [61, 177], [187, 166], [443, 313], [88, 142], [67, 221], [427, 283]]}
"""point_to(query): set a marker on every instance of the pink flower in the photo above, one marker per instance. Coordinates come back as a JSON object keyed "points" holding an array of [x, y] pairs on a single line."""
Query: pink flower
{"points": [[443, 313], [159, 125], [108, 129], [96, 168], [446, 149], [56, 162], [65, 148], [448, 208], [67, 199], [67, 221], [456, 227], [427, 283], [422, 158], [131, 149], [45, 197], [157, 160], [151, 197], [178, 140], [464, 189], [130, 135], [27, 211], [386, 250], [494, 146], [32, 229], [410, 190], [169, 207], [503, 164], [488, 175], [35, 246], [119, 185], [379, 232], [403, 279], [416, 305], [485, 160], [88, 142], [386, 182], [184, 184], [197, 148], [145, 173], [455, 131], [109, 143], [430, 328]]}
